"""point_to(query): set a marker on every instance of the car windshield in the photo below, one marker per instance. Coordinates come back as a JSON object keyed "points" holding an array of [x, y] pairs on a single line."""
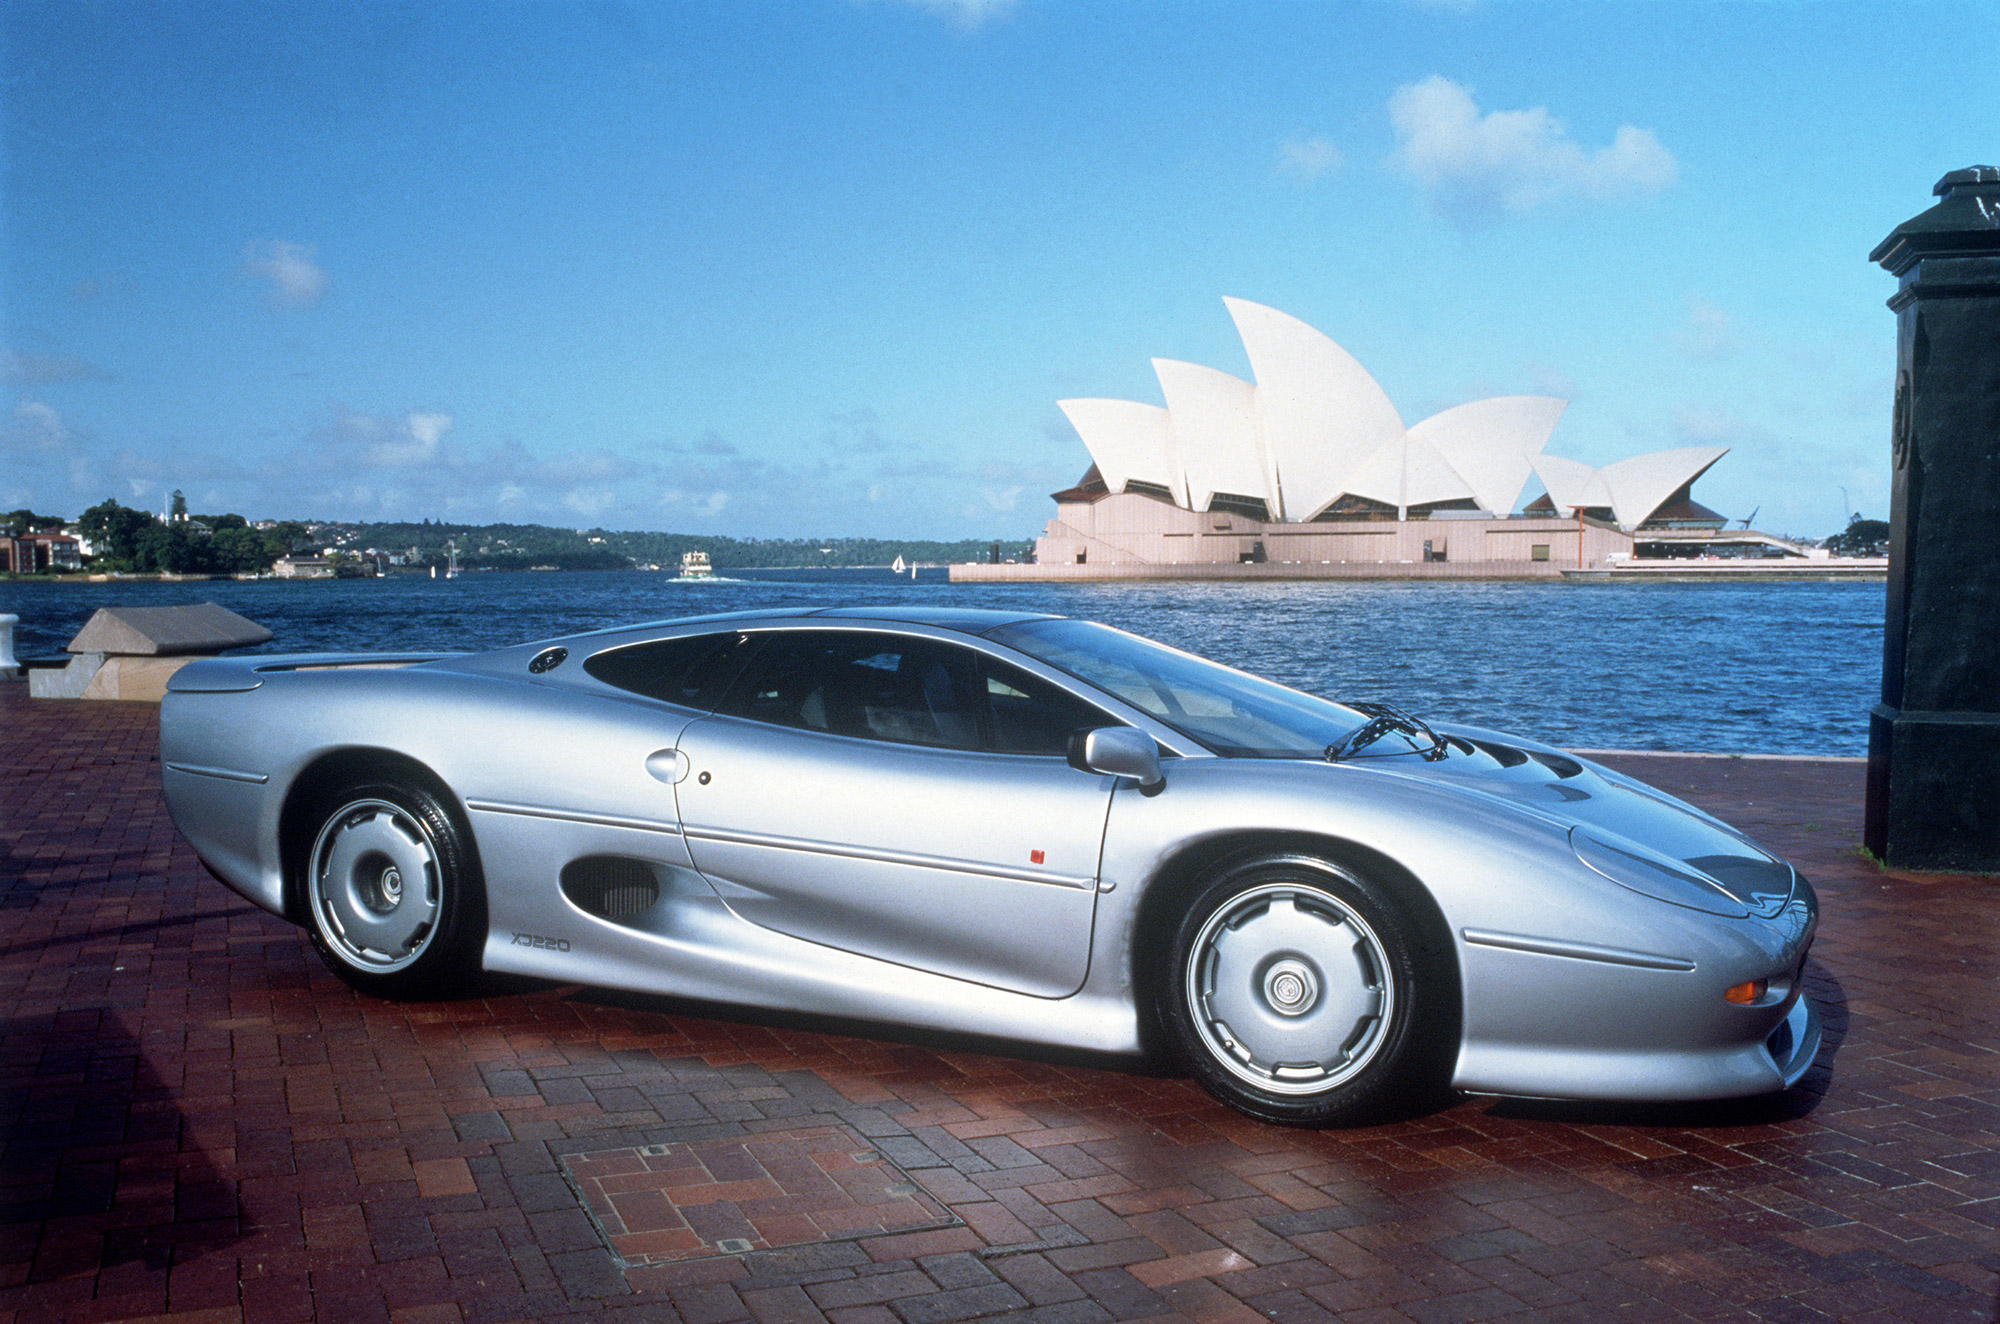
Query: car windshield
{"points": [[1228, 711]]}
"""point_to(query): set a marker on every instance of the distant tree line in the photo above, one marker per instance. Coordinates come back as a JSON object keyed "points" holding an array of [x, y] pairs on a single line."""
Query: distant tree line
{"points": [[518, 546], [139, 542], [17, 522], [133, 540]]}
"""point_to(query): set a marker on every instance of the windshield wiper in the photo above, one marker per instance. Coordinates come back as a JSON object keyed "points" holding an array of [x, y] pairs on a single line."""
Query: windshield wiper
{"points": [[1383, 720]]}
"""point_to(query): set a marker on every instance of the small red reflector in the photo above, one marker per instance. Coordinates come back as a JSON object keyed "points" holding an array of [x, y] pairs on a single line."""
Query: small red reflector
{"points": [[1034, 857], [1746, 993]]}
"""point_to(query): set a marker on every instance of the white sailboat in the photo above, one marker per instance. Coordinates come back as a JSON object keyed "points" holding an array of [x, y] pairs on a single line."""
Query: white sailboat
{"points": [[899, 567]]}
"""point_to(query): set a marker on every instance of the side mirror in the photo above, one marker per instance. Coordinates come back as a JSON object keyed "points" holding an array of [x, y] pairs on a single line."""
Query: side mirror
{"points": [[1121, 751]]}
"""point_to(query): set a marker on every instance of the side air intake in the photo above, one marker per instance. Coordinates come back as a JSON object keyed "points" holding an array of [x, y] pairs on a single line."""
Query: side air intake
{"points": [[611, 887]]}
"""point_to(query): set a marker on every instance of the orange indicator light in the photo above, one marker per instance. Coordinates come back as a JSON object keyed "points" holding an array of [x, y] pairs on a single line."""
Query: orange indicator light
{"points": [[1034, 857], [1747, 993]]}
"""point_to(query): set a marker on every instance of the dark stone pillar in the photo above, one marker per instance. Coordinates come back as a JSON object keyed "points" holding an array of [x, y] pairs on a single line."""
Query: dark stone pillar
{"points": [[1934, 740]]}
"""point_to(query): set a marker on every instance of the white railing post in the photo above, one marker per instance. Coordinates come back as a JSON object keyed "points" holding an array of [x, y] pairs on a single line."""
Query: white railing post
{"points": [[8, 666]]}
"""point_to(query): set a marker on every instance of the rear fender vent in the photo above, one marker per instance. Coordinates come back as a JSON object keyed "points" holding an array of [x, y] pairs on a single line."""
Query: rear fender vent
{"points": [[1505, 755], [1556, 763], [611, 887]]}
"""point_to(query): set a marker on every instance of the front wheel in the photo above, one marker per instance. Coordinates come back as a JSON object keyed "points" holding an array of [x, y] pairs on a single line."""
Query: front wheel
{"points": [[394, 895], [1296, 993]]}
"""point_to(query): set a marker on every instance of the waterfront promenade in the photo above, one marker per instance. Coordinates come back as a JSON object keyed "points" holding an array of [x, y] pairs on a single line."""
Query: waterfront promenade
{"points": [[202, 1125]]}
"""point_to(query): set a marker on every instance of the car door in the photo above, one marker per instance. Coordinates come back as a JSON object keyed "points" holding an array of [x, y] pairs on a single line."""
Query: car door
{"points": [[854, 789]]}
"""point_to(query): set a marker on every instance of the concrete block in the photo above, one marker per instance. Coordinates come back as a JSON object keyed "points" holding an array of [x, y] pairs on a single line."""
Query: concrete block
{"points": [[166, 631]]}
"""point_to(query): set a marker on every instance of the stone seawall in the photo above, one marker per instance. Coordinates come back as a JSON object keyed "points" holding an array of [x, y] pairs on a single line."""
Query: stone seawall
{"points": [[1788, 571], [1255, 571]]}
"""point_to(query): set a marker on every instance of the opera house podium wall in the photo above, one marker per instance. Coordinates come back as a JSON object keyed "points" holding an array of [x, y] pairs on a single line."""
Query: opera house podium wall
{"points": [[1130, 536]]}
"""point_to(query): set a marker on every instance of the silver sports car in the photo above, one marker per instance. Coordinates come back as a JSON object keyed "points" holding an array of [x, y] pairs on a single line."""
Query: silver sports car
{"points": [[1007, 824]]}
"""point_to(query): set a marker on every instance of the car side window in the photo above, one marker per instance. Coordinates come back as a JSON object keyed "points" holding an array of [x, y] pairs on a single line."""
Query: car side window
{"points": [[1028, 715], [870, 686], [692, 670]]}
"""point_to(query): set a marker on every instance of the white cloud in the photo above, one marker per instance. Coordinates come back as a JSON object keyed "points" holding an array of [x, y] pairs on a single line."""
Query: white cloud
{"points": [[589, 502], [21, 366], [964, 13], [414, 442], [426, 430], [1709, 332], [1307, 159], [1550, 380], [711, 503], [858, 431], [1707, 425], [1475, 166], [1002, 498], [294, 274], [39, 426]]}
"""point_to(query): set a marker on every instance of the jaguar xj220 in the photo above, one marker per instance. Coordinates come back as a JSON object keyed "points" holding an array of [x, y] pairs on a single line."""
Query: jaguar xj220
{"points": [[1005, 824]]}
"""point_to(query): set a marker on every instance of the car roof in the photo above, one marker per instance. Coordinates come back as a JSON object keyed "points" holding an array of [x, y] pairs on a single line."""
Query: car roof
{"points": [[972, 620]]}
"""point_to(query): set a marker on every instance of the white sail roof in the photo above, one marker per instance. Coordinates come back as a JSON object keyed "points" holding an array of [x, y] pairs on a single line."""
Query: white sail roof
{"points": [[1214, 426], [1128, 440], [1572, 484], [1407, 472], [1315, 425], [1633, 488], [1491, 443], [1639, 486], [1322, 414]]}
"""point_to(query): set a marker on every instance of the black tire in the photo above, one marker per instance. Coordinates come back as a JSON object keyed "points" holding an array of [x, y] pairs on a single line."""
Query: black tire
{"points": [[1297, 993], [393, 895]]}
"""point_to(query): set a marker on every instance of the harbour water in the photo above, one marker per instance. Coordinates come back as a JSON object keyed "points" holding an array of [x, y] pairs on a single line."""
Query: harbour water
{"points": [[1725, 668]]}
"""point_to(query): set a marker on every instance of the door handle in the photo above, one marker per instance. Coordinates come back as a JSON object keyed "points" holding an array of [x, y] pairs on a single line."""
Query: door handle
{"points": [[667, 765]]}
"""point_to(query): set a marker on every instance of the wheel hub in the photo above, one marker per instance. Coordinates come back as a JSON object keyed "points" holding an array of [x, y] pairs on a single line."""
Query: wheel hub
{"points": [[1290, 988]]}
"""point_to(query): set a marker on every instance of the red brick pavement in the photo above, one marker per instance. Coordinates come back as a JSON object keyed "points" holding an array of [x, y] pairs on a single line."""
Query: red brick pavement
{"points": [[202, 1125]]}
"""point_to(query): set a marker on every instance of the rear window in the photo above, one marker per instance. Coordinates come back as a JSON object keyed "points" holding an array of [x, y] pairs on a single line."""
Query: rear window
{"points": [[693, 670]]}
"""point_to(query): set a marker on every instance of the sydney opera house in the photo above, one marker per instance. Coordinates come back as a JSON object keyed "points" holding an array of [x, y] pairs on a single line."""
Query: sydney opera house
{"points": [[1309, 470]]}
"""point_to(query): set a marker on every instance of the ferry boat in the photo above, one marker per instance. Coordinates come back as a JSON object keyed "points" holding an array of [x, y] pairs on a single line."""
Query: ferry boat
{"points": [[694, 565]]}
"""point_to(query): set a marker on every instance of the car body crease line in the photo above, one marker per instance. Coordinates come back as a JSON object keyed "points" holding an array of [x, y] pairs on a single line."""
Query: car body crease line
{"points": [[1579, 951], [571, 816], [222, 774], [943, 862]]}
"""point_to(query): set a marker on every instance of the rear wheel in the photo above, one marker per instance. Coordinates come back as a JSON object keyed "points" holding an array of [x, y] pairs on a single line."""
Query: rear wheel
{"points": [[1296, 993], [394, 895]]}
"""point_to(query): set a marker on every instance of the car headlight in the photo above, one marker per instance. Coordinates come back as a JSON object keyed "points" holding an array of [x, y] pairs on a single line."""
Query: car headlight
{"points": [[1652, 874]]}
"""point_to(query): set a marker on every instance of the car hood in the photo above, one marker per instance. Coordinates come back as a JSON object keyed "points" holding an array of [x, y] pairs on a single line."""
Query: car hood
{"points": [[1622, 828]]}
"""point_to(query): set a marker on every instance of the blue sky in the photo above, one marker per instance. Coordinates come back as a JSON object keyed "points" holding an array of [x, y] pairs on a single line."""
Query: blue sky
{"points": [[823, 267]]}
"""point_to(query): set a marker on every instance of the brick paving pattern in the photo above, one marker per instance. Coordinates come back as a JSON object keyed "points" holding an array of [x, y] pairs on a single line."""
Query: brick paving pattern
{"points": [[654, 1204], [202, 1125]]}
